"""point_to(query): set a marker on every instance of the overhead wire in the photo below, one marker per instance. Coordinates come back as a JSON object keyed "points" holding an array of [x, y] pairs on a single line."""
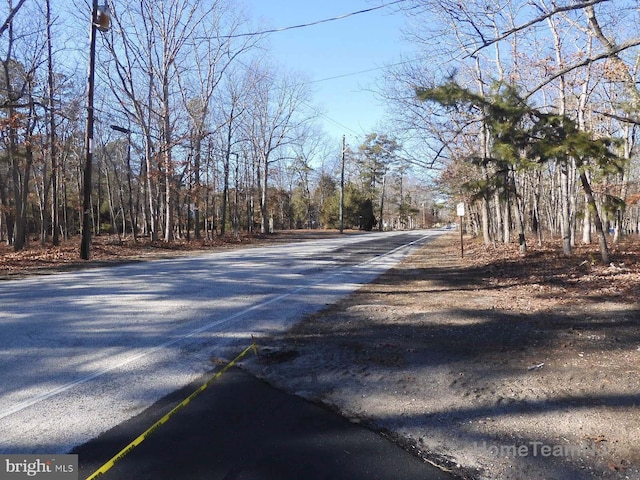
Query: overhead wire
{"points": [[318, 22], [337, 77], [369, 70], [311, 24]]}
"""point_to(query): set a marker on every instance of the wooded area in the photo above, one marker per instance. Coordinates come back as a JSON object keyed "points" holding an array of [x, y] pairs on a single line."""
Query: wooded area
{"points": [[531, 114], [526, 111], [197, 133]]}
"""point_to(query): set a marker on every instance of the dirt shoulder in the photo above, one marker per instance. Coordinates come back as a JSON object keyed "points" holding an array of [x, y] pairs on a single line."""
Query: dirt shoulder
{"points": [[493, 366]]}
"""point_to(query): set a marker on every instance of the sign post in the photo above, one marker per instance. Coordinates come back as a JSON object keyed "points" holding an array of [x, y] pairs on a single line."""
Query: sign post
{"points": [[460, 210]]}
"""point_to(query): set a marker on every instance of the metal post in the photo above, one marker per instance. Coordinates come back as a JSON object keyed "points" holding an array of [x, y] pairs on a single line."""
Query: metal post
{"points": [[460, 212], [461, 240]]}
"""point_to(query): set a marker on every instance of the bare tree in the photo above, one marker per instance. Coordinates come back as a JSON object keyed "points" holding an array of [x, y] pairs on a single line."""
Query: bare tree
{"points": [[12, 13], [213, 55], [275, 113], [19, 85], [564, 69], [232, 106]]}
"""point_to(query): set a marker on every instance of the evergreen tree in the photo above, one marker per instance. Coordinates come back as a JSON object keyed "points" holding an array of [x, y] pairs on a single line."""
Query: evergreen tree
{"points": [[524, 137]]}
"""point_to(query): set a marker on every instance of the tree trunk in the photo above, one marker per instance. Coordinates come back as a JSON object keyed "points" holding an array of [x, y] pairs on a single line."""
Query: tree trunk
{"points": [[153, 210], [506, 224], [22, 227], [602, 239], [19, 229], [196, 189], [586, 223], [498, 216], [565, 227], [168, 163], [5, 218], [484, 209], [133, 208], [522, 241], [620, 211], [225, 186], [110, 200], [264, 196], [381, 221]]}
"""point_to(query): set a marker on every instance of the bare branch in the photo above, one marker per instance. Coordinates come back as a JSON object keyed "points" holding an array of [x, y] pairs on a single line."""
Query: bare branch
{"points": [[541, 18], [620, 118], [607, 54], [9, 19]]}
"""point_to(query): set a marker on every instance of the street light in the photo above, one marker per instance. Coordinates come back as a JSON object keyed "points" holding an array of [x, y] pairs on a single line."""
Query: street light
{"points": [[100, 20], [102, 17]]}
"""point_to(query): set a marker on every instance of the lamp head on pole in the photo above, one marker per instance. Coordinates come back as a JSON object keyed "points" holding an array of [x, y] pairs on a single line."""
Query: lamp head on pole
{"points": [[103, 18]]}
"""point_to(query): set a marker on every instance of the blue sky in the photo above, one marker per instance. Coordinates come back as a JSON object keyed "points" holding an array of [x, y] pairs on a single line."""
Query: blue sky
{"points": [[354, 44]]}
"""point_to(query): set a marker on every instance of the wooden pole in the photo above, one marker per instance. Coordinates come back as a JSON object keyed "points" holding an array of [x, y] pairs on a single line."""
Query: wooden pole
{"points": [[342, 187], [85, 246]]}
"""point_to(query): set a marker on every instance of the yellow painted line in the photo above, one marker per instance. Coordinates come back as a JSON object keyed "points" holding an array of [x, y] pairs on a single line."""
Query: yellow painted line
{"points": [[122, 453]]}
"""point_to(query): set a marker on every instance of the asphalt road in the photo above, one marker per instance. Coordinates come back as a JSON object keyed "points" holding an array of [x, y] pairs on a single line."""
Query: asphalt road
{"points": [[83, 352], [240, 428]]}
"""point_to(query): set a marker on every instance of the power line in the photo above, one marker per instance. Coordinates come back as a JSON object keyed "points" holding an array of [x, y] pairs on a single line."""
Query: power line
{"points": [[360, 72], [311, 24], [317, 111]]}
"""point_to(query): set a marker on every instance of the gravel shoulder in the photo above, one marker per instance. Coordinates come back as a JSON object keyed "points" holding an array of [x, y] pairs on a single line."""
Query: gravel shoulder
{"points": [[518, 368]]}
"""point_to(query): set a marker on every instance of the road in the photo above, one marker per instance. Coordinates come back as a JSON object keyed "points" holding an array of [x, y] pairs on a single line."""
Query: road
{"points": [[85, 351], [243, 429]]}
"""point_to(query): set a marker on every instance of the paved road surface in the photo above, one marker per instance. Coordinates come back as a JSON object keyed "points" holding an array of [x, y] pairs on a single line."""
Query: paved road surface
{"points": [[242, 429], [83, 352]]}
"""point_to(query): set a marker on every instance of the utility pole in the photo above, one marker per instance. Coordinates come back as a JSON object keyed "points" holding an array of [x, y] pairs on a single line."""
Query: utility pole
{"points": [[342, 187], [55, 214], [100, 19]]}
